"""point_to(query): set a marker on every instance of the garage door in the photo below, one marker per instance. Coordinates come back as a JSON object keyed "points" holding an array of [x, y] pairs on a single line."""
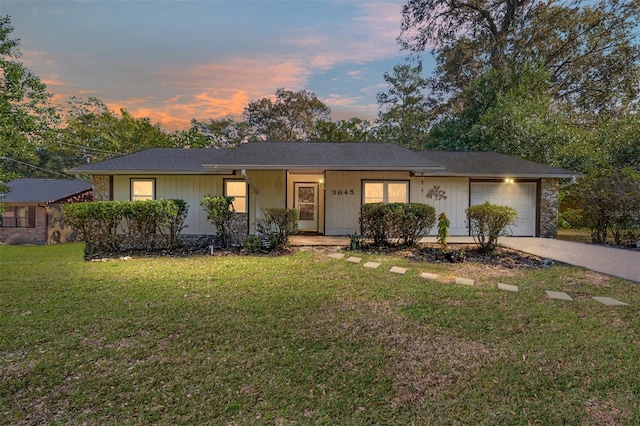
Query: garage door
{"points": [[520, 196]]}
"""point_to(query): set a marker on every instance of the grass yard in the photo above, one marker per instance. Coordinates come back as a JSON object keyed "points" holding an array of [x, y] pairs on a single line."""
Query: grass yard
{"points": [[305, 339]]}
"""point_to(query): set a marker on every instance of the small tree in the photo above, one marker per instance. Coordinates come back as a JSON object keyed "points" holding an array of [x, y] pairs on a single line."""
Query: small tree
{"points": [[610, 200], [487, 222], [443, 231], [220, 212]]}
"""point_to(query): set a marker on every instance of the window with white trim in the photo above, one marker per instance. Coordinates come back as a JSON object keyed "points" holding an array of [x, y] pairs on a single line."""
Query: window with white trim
{"points": [[239, 191], [386, 192], [143, 189]]}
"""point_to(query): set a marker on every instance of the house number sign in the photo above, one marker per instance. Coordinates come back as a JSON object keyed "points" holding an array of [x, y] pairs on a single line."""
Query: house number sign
{"points": [[343, 192]]}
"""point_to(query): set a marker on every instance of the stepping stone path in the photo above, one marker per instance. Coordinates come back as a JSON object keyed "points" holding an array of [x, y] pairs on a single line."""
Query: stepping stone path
{"points": [[336, 255], [428, 276], [465, 281], [609, 301], [508, 287], [560, 295]]}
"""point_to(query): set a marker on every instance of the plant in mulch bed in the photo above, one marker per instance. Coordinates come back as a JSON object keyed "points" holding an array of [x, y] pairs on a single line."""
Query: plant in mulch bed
{"points": [[443, 233], [355, 241]]}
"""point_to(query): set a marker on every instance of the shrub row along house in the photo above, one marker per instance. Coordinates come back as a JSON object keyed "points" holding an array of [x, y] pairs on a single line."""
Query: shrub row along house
{"points": [[33, 210], [329, 182]]}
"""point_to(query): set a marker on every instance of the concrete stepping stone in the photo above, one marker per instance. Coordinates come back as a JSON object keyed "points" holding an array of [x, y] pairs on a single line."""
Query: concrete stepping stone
{"points": [[428, 276], [354, 259], [465, 281], [609, 301], [372, 265], [560, 295], [508, 287], [336, 255], [398, 270]]}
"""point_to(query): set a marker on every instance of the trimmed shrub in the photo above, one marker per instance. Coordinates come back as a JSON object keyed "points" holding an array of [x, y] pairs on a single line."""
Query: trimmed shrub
{"points": [[413, 221], [171, 222], [405, 222], [220, 212], [277, 226], [487, 222], [105, 224]]}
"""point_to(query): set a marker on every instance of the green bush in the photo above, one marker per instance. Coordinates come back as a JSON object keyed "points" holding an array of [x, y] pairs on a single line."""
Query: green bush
{"points": [[105, 224], [610, 200], [487, 222], [414, 221], [405, 222], [253, 244], [277, 226], [220, 212], [171, 222]]}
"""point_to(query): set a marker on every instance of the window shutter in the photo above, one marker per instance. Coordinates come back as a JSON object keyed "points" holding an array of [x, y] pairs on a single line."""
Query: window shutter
{"points": [[32, 217]]}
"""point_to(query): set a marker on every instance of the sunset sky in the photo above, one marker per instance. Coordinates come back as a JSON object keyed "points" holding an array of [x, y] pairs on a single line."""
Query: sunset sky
{"points": [[173, 60]]}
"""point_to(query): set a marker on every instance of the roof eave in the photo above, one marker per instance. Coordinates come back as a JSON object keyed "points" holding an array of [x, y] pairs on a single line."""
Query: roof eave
{"points": [[413, 169], [503, 175], [148, 172]]}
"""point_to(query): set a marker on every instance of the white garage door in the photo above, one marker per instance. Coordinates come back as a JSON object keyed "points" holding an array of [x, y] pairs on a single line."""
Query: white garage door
{"points": [[520, 196]]}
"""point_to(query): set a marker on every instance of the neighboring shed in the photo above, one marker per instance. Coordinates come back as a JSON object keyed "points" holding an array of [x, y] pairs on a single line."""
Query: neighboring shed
{"points": [[34, 210]]}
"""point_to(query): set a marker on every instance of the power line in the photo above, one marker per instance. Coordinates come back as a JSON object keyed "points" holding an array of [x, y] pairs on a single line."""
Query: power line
{"points": [[32, 166]]}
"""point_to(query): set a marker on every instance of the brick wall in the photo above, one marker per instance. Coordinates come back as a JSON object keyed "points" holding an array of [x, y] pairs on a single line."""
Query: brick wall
{"points": [[35, 235]]}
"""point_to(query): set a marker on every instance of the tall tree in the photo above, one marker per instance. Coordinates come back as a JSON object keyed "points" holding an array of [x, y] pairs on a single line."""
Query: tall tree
{"points": [[26, 113], [97, 133], [590, 48], [351, 130], [405, 109], [223, 132], [292, 117]]}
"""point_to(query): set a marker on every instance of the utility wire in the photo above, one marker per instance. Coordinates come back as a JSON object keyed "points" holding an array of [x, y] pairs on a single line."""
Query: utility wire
{"points": [[32, 166]]}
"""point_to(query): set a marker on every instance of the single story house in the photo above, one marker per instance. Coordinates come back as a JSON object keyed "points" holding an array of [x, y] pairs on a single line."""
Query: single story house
{"points": [[33, 210], [328, 182]]}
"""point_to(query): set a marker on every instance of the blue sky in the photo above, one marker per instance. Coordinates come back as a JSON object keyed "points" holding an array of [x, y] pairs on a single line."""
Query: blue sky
{"points": [[175, 60]]}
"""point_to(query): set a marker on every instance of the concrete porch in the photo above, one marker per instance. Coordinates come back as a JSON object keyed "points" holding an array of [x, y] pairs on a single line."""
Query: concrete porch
{"points": [[318, 240]]}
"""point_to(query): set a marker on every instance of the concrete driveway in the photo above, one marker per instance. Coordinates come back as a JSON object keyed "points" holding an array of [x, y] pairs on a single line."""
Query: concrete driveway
{"points": [[611, 261]]}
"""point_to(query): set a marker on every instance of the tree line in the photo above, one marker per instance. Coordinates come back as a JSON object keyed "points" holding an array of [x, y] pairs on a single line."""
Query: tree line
{"points": [[551, 81]]}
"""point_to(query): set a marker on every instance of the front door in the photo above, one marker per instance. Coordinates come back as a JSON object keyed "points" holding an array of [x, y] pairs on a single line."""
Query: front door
{"points": [[306, 201]]}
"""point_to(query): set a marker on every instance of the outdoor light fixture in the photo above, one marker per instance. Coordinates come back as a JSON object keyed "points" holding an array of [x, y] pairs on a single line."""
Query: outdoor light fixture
{"points": [[508, 181]]}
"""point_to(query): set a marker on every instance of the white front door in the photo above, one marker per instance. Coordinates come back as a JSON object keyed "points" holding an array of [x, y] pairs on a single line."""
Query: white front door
{"points": [[306, 201]]}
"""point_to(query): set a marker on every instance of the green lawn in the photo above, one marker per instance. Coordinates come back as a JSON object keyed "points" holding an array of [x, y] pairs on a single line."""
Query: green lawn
{"points": [[305, 339]]}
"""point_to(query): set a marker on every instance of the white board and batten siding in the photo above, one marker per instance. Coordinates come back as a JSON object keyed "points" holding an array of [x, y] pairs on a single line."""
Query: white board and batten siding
{"points": [[271, 186], [343, 198], [190, 188], [519, 195], [448, 195]]}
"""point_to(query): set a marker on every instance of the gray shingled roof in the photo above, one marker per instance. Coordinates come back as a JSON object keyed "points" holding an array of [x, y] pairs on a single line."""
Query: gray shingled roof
{"points": [[321, 156], [43, 190], [155, 160], [491, 164]]}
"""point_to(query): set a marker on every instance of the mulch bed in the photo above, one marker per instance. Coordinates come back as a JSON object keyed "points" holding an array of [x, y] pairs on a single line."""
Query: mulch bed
{"points": [[501, 257]]}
